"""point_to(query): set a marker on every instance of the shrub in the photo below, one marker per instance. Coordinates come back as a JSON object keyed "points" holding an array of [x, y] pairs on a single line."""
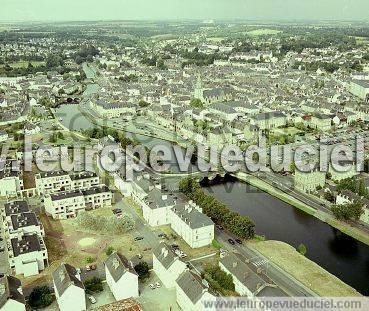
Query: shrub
{"points": [[41, 297], [93, 285]]}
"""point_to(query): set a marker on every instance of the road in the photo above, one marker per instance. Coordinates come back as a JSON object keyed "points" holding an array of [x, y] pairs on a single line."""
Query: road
{"points": [[284, 280]]}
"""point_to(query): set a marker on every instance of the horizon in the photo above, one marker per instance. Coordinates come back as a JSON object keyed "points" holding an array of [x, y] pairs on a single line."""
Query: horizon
{"points": [[175, 10]]}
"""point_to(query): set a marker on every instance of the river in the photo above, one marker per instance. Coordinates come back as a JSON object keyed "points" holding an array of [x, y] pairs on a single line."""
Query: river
{"points": [[341, 255]]}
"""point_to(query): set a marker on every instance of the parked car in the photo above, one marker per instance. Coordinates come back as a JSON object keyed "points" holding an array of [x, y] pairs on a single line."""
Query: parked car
{"points": [[157, 284], [152, 286], [230, 241], [162, 235], [93, 267], [79, 271], [174, 246], [138, 238], [238, 241], [220, 227], [92, 299], [139, 256], [88, 268]]}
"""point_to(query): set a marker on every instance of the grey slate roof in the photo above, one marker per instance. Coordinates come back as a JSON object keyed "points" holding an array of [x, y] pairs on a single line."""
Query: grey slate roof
{"points": [[165, 255], [237, 266], [192, 216], [65, 276], [118, 265], [10, 288], [192, 286]]}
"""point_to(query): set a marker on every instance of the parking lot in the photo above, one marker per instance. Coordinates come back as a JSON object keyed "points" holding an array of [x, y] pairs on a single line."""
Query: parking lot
{"points": [[158, 298]]}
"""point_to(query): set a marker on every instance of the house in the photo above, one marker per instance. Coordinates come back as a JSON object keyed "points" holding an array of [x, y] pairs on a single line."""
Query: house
{"points": [[112, 110], [11, 294], [167, 265], [321, 122], [121, 277], [97, 196], [69, 289], [247, 282], [309, 181], [269, 120], [156, 206], [187, 220], [191, 292], [28, 254], [11, 178]]}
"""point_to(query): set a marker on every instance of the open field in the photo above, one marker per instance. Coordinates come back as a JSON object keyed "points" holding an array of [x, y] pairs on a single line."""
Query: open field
{"points": [[263, 31], [67, 242], [304, 270], [24, 64]]}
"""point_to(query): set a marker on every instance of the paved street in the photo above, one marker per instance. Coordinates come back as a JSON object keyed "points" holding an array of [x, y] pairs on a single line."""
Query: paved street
{"points": [[281, 278]]}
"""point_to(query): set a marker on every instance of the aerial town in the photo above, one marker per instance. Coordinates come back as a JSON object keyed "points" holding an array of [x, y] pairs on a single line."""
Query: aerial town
{"points": [[75, 235]]}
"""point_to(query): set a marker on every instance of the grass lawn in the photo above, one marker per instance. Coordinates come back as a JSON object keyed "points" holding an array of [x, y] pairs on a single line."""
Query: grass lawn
{"points": [[304, 270]]}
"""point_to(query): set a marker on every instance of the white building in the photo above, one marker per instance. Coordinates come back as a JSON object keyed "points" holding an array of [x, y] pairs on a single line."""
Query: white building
{"points": [[68, 204], [11, 178], [121, 277], [27, 255], [156, 206], [191, 224], [167, 265], [64, 205], [11, 294], [51, 182], [69, 290], [191, 292]]}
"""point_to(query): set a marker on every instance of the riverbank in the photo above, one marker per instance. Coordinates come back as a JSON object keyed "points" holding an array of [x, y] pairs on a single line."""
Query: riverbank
{"points": [[303, 269], [323, 216]]}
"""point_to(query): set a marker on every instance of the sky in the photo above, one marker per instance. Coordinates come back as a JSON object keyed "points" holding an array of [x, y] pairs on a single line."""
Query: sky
{"points": [[72, 10]]}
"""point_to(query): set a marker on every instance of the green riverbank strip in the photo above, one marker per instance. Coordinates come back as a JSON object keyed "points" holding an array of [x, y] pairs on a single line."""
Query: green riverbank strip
{"points": [[303, 269], [323, 216]]}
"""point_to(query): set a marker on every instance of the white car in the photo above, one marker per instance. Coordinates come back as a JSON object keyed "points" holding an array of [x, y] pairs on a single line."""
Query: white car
{"points": [[157, 284], [152, 286], [92, 299]]}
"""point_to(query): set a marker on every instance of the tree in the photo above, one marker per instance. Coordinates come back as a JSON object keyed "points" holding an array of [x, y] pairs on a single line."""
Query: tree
{"points": [[302, 249], [143, 103], [196, 103], [346, 212], [40, 297], [93, 285], [109, 250], [219, 280], [142, 270]]}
